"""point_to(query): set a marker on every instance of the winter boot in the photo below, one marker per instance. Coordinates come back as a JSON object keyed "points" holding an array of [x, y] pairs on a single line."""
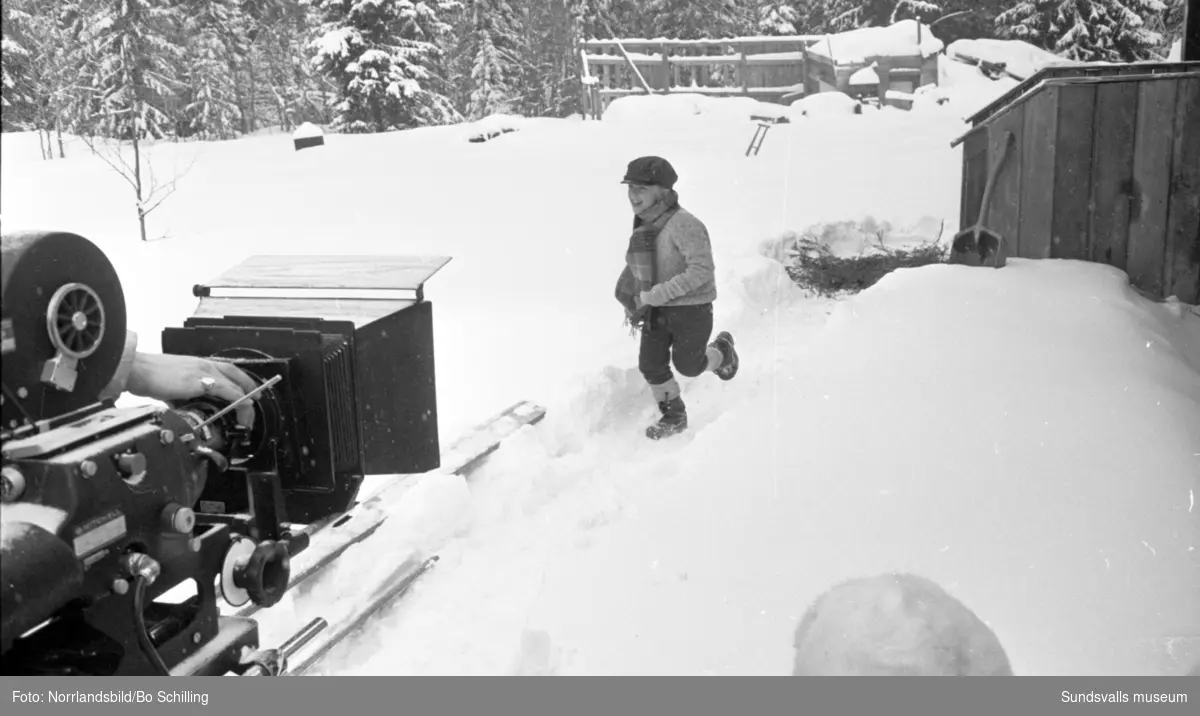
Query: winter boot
{"points": [[729, 366], [673, 420]]}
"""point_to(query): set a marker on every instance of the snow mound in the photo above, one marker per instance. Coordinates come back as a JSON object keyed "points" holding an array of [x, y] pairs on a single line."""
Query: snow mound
{"points": [[1020, 58], [1025, 437], [826, 104], [308, 130], [895, 624], [897, 40], [491, 126], [677, 106], [962, 89]]}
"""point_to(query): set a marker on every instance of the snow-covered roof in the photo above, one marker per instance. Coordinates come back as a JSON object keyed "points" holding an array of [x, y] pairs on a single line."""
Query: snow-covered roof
{"points": [[898, 40], [1020, 58]]}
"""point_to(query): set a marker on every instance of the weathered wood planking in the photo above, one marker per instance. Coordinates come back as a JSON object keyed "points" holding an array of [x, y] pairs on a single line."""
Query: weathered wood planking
{"points": [[1183, 214], [1037, 172], [1072, 172], [386, 271], [1112, 172], [1004, 217], [1153, 143]]}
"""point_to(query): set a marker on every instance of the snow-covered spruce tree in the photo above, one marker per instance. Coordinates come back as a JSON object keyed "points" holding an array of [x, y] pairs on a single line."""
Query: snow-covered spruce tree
{"points": [[495, 48], [15, 68], [914, 9], [779, 17], [696, 19], [550, 62], [39, 80], [215, 46], [844, 15], [1086, 30], [134, 64], [380, 54]]}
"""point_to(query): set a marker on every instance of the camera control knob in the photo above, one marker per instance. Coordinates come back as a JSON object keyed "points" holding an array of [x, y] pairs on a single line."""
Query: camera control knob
{"points": [[265, 575], [12, 484], [131, 464], [178, 518]]}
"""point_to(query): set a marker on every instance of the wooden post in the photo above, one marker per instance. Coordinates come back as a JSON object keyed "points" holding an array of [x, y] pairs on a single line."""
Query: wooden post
{"points": [[666, 69], [744, 71]]}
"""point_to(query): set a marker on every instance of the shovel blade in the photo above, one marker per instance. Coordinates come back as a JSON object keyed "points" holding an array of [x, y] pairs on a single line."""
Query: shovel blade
{"points": [[991, 249], [978, 246], [965, 250]]}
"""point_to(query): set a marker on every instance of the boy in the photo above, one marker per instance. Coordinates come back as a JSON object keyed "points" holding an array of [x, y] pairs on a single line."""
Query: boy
{"points": [[668, 288]]}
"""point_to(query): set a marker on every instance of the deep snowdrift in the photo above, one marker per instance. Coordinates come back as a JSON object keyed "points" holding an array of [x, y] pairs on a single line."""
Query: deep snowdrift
{"points": [[1027, 437]]}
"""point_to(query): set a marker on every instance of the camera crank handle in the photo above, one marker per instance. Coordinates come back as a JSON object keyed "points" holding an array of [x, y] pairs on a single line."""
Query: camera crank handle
{"points": [[218, 460], [233, 406]]}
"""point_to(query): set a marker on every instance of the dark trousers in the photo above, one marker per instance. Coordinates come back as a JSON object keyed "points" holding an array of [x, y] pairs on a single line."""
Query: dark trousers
{"points": [[676, 334]]}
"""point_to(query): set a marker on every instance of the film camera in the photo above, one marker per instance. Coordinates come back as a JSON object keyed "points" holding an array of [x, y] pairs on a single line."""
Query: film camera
{"points": [[105, 510]]}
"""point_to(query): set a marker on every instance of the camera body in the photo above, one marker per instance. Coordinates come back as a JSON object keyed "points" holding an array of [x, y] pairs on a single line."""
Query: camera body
{"points": [[108, 511]]}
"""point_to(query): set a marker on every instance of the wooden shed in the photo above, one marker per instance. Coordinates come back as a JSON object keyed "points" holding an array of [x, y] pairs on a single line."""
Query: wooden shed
{"points": [[1106, 168]]}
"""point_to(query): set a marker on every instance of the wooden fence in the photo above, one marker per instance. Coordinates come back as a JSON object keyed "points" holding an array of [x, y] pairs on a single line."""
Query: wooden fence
{"points": [[1106, 168], [767, 68]]}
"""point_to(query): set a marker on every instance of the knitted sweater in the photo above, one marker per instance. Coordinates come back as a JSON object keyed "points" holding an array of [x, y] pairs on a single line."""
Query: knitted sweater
{"points": [[684, 262]]}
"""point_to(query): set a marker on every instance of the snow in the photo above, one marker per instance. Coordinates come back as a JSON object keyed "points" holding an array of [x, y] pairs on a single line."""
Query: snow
{"points": [[1176, 54], [826, 104], [1028, 438], [965, 89], [1020, 58], [491, 126], [755, 39], [897, 40], [308, 130], [866, 76]]}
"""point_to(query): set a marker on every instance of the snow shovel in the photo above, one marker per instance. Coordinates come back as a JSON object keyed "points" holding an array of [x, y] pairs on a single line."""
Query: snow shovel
{"points": [[978, 245]]}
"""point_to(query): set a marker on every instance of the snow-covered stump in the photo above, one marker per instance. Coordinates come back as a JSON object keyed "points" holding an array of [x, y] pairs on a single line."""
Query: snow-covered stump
{"points": [[308, 135]]}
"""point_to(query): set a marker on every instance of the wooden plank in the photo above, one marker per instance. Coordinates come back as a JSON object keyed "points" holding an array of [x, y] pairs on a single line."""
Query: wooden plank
{"points": [[1112, 173], [1004, 217], [1037, 175], [1153, 144], [386, 272], [1073, 172], [1183, 211]]}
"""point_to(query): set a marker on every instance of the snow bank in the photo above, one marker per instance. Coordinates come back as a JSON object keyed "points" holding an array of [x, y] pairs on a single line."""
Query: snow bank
{"points": [[677, 106], [898, 40], [979, 453], [826, 104], [1025, 437], [1020, 58], [491, 126], [962, 89]]}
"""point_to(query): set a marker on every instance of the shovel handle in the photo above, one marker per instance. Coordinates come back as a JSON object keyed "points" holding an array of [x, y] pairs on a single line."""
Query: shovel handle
{"points": [[1010, 140]]}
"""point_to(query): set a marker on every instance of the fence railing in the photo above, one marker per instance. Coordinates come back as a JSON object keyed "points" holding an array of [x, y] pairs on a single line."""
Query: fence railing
{"points": [[770, 68]]}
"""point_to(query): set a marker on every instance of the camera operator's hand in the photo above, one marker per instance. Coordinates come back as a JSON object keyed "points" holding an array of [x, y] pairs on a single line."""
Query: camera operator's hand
{"points": [[170, 377]]}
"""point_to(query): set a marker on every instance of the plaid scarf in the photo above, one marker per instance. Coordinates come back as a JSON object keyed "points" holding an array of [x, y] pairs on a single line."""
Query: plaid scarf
{"points": [[638, 274]]}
